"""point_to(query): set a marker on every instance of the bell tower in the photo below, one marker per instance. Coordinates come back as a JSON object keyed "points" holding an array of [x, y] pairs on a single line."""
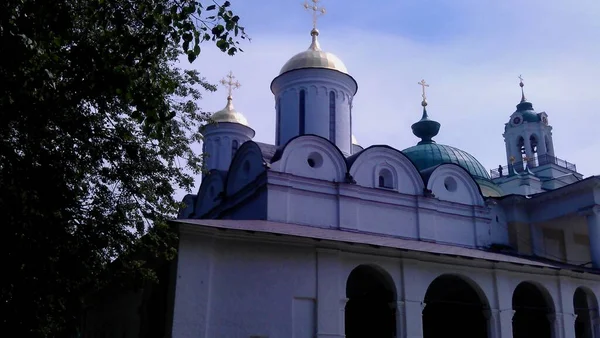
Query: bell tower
{"points": [[532, 165], [528, 136]]}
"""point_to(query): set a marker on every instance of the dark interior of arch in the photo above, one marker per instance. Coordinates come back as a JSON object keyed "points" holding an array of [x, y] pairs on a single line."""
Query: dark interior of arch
{"points": [[583, 309], [453, 309], [531, 313], [370, 311]]}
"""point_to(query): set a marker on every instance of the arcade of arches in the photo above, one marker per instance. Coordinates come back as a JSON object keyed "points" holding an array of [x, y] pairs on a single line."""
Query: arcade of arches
{"points": [[456, 307]]}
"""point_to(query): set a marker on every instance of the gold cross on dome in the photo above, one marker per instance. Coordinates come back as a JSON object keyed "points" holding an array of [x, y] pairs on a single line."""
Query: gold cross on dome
{"points": [[521, 78], [316, 10], [423, 84], [228, 81]]}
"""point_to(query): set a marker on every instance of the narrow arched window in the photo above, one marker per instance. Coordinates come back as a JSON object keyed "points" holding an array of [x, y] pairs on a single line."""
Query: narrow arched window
{"points": [[234, 147], [386, 179], [332, 116], [302, 112], [278, 122], [381, 181]]}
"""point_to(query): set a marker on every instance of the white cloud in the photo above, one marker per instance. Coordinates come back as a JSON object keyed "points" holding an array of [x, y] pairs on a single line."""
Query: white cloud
{"points": [[473, 77]]}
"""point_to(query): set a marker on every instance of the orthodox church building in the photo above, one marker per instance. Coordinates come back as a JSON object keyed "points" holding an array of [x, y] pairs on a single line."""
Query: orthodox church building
{"points": [[316, 236]]}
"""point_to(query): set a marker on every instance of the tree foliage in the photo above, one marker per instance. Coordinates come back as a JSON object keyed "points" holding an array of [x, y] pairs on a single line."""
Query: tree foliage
{"points": [[96, 128]]}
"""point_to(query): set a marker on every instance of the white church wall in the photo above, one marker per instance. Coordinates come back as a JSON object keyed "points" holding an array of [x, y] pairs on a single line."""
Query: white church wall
{"points": [[302, 200], [261, 289], [498, 227], [565, 239], [385, 218], [242, 287]]}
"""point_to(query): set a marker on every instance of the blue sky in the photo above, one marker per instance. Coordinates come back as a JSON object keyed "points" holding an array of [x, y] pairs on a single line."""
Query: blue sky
{"points": [[470, 52]]}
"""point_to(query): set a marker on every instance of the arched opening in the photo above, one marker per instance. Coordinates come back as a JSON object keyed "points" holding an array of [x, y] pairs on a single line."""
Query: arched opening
{"points": [[519, 163], [586, 310], [533, 311], [454, 308], [385, 179], [371, 307], [534, 148]]}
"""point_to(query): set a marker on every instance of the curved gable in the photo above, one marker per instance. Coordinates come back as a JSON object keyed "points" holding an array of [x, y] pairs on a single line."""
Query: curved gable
{"points": [[311, 156], [452, 183], [367, 166], [247, 164], [209, 193]]}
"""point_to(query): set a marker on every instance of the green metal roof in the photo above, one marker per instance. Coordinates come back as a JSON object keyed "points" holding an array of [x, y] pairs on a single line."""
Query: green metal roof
{"points": [[428, 155], [527, 111]]}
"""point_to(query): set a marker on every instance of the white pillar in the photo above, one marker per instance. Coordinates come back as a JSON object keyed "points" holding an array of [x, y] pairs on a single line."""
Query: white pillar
{"points": [[494, 323], [414, 319], [592, 215], [343, 303], [556, 324], [504, 293], [568, 325], [400, 320]]}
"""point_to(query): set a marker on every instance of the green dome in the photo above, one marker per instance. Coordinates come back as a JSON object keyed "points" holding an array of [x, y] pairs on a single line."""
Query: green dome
{"points": [[428, 155], [527, 111]]}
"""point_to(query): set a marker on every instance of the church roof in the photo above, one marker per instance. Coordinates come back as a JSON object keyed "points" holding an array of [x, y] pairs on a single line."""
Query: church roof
{"points": [[314, 57], [429, 155], [229, 115]]}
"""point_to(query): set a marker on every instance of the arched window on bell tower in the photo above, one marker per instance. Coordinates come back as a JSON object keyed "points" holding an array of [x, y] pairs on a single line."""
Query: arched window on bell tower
{"points": [[302, 112], [234, 147], [533, 142]]}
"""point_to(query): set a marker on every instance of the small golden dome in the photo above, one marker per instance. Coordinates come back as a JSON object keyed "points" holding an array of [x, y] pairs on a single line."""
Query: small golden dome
{"points": [[229, 114], [314, 57]]}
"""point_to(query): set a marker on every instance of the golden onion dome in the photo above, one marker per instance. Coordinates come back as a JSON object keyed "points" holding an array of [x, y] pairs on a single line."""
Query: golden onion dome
{"points": [[229, 114], [314, 57]]}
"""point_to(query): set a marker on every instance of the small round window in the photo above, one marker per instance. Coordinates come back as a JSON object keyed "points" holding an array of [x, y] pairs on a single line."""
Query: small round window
{"points": [[314, 160], [450, 184]]}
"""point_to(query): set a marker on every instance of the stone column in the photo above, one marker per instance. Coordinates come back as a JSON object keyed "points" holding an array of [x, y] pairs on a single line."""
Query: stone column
{"points": [[400, 320], [592, 215], [494, 323], [342, 323], [557, 324], [414, 319], [568, 325]]}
